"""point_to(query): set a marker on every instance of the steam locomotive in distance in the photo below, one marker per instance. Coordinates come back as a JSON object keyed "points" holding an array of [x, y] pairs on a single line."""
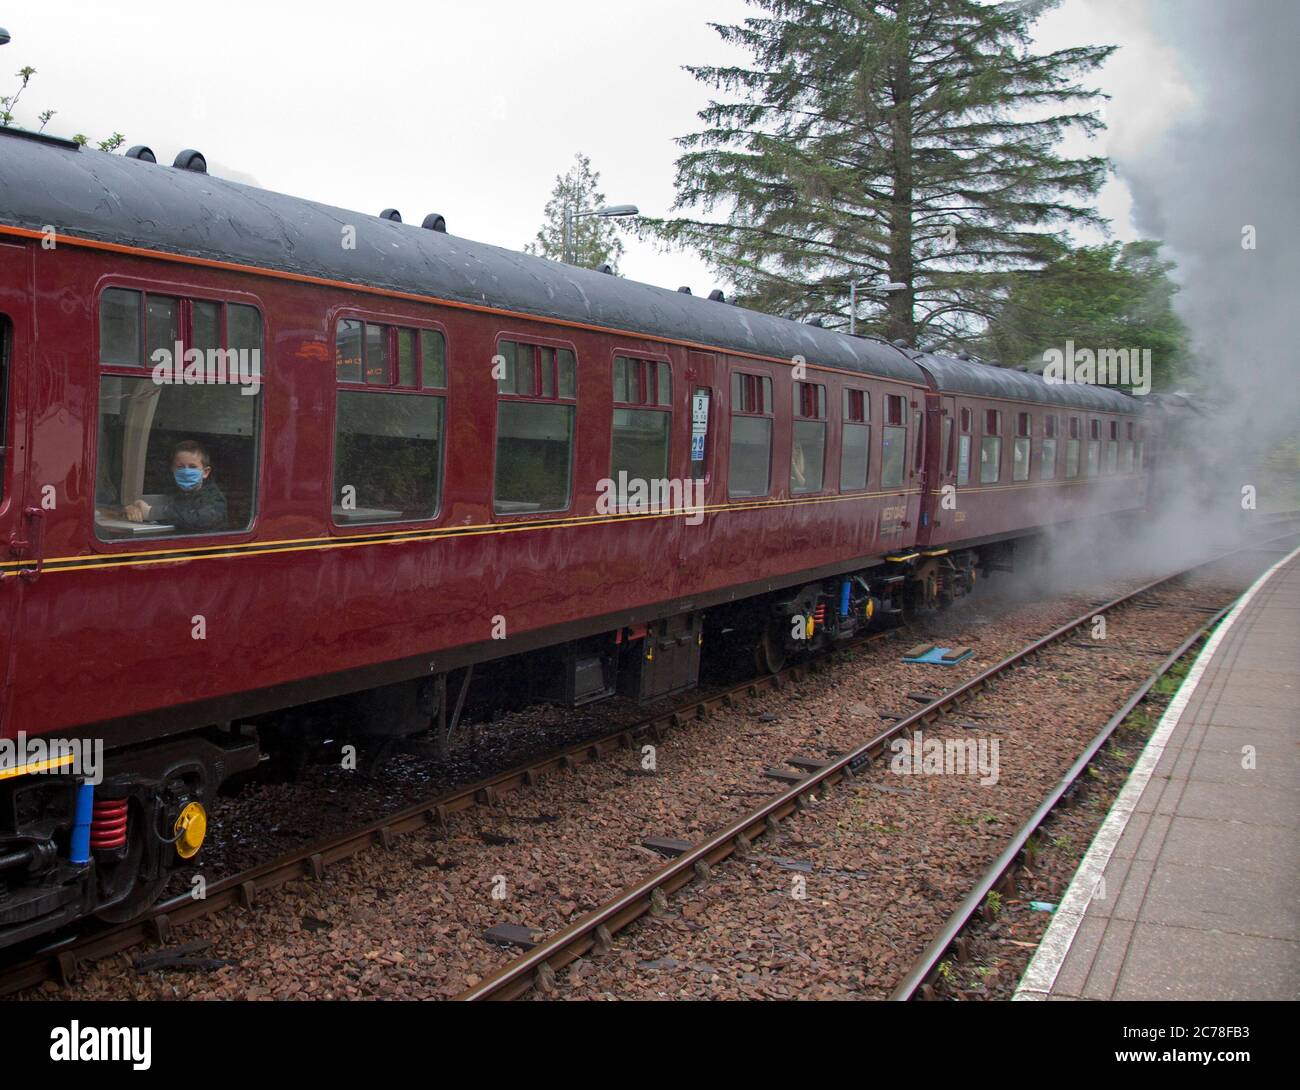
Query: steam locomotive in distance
{"points": [[272, 469]]}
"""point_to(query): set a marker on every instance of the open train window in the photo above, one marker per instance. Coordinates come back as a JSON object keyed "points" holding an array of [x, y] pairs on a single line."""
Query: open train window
{"points": [[1047, 462], [389, 422], [1112, 448], [6, 347], [1094, 448], [1126, 450], [893, 442], [749, 465], [963, 448], [1072, 449], [1020, 449], [991, 447], [537, 389], [855, 441], [808, 448], [179, 415], [643, 420]]}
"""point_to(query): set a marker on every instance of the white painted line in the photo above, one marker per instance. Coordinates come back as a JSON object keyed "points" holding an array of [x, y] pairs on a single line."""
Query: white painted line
{"points": [[1041, 973]]}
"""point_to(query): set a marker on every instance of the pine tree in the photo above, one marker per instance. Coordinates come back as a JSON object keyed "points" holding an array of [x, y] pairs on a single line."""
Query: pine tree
{"points": [[904, 141], [595, 240]]}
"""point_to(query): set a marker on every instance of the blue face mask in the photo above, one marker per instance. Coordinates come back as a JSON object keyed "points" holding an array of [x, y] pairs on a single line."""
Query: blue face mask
{"points": [[188, 478]]}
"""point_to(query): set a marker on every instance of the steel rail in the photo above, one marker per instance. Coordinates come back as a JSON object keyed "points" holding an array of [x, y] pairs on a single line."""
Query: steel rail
{"points": [[595, 930], [921, 977]]}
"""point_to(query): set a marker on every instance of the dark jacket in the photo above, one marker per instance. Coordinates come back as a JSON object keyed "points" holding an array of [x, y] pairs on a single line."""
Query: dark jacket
{"points": [[202, 509]]}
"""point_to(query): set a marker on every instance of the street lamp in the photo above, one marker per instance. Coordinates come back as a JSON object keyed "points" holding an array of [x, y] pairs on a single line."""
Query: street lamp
{"points": [[609, 211], [892, 285]]}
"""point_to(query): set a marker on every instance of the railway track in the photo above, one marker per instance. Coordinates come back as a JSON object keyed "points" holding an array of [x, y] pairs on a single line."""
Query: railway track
{"points": [[60, 960], [594, 932]]}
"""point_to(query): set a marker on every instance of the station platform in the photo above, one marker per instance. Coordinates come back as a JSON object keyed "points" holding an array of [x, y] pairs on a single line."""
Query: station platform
{"points": [[1191, 889]]}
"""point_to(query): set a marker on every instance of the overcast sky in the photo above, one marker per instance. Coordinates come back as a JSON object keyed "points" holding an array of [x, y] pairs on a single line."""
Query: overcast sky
{"points": [[468, 109]]}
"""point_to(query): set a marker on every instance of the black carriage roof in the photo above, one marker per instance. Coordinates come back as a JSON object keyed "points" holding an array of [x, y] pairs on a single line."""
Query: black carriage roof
{"points": [[968, 376], [112, 198]]}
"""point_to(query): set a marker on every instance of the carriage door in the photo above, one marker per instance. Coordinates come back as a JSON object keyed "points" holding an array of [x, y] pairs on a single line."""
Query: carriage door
{"points": [[16, 526], [940, 471]]}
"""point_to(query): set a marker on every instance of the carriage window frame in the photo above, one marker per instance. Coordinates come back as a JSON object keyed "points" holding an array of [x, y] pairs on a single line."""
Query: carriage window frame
{"points": [[1073, 449], [549, 388], [1022, 448], [185, 299], [808, 408], [965, 440], [1111, 464], [392, 383], [1048, 456], [894, 421], [751, 399], [992, 433], [856, 404], [653, 390], [1092, 452]]}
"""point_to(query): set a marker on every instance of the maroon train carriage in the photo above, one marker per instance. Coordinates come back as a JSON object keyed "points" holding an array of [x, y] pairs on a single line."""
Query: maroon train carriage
{"points": [[408, 440]]}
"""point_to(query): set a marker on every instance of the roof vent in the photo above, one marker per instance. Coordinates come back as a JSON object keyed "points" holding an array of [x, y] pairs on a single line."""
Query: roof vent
{"points": [[605, 268], [1022, 367], [816, 322], [189, 159], [391, 214], [145, 155], [432, 222], [718, 295], [963, 354], [901, 343], [684, 290]]}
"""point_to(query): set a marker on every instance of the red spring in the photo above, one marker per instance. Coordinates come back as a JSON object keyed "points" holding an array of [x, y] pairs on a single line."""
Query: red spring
{"points": [[108, 825], [819, 614]]}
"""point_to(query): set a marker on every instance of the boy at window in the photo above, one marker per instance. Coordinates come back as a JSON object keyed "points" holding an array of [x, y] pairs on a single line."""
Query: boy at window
{"points": [[196, 505]]}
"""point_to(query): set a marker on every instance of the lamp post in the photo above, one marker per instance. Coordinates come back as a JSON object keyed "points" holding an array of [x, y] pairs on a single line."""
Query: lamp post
{"points": [[609, 211], [892, 285]]}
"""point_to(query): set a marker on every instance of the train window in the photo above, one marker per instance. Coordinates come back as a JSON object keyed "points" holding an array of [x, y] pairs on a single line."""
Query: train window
{"points": [[1094, 448], [946, 448], [918, 444], [641, 434], [534, 448], [177, 446], [991, 447], [388, 433], [1072, 449], [433, 359], [808, 449], [1138, 450], [963, 448], [749, 465], [387, 456], [893, 442], [1126, 450], [1112, 448], [855, 441], [6, 341], [1020, 449], [1047, 463], [121, 322]]}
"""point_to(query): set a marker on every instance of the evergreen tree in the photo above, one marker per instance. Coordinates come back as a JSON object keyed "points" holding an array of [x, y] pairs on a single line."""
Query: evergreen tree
{"points": [[1108, 296], [595, 239], [906, 141]]}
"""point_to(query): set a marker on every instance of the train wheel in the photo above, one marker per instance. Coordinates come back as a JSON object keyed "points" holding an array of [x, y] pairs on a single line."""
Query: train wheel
{"points": [[769, 651]]}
